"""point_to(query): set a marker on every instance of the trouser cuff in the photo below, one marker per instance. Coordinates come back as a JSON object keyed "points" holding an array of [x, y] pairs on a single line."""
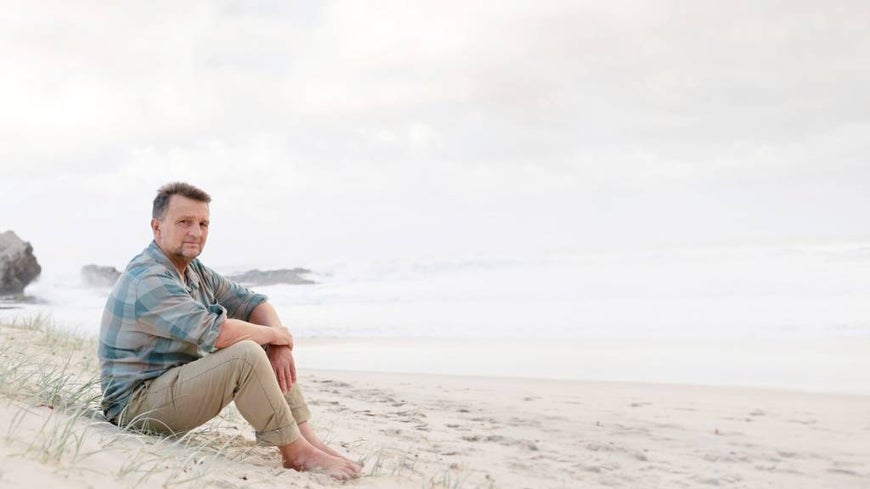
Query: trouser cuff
{"points": [[279, 437], [301, 414]]}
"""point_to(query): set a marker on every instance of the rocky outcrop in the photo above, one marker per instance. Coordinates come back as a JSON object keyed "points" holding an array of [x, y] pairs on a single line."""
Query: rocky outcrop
{"points": [[97, 276], [18, 266], [272, 277]]}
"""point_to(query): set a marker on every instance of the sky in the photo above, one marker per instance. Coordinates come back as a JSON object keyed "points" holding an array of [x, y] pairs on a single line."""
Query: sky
{"points": [[347, 130]]}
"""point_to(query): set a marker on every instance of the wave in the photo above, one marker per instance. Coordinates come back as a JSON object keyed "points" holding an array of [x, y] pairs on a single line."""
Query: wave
{"points": [[734, 292]]}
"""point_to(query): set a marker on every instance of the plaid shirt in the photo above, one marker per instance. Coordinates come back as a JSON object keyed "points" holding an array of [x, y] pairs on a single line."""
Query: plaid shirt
{"points": [[153, 321]]}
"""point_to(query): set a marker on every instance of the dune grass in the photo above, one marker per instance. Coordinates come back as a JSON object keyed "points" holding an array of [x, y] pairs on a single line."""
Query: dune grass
{"points": [[50, 377]]}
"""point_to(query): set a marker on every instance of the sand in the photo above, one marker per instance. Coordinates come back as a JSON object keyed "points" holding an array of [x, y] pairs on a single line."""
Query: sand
{"points": [[416, 431]]}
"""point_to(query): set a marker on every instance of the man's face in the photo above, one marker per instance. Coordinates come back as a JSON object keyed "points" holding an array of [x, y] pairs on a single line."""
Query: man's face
{"points": [[182, 231]]}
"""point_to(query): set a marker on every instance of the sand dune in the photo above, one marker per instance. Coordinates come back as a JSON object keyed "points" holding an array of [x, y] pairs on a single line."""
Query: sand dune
{"points": [[417, 431]]}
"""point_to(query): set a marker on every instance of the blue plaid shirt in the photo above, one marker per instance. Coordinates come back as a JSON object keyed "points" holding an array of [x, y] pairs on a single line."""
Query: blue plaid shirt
{"points": [[154, 321]]}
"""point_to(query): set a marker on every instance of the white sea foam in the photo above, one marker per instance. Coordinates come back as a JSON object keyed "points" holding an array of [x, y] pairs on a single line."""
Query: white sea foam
{"points": [[738, 293], [702, 293], [557, 308]]}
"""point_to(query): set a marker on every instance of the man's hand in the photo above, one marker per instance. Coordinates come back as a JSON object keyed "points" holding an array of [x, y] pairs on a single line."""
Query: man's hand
{"points": [[281, 358], [282, 337], [280, 349]]}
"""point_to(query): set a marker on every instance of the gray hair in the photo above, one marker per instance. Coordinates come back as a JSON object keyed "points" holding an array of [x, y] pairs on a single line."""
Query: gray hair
{"points": [[161, 202]]}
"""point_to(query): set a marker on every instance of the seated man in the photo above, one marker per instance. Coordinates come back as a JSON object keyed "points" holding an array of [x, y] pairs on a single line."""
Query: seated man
{"points": [[178, 342]]}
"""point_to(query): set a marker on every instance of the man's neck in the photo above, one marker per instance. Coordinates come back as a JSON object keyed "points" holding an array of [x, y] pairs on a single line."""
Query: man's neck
{"points": [[180, 265]]}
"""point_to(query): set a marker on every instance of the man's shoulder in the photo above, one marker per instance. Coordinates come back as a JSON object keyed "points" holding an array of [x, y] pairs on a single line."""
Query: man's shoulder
{"points": [[144, 267]]}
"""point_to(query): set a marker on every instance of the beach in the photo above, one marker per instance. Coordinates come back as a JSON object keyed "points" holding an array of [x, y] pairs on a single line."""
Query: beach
{"points": [[517, 245], [436, 431]]}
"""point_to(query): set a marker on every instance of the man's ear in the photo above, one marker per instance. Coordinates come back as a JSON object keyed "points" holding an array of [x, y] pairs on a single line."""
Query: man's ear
{"points": [[155, 227]]}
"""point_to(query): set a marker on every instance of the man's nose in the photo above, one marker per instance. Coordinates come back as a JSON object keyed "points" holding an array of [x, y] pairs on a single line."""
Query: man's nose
{"points": [[195, 230]]}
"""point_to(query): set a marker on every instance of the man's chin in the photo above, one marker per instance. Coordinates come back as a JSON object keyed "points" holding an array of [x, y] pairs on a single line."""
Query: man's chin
{"points": [[190, 252]]}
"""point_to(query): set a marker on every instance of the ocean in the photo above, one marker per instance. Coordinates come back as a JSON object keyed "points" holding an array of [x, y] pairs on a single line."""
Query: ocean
{"points": [[793, 317]]}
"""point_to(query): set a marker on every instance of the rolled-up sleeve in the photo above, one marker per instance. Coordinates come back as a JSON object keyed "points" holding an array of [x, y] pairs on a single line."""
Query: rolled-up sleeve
{"points": [[166, 310], [238, 300]]}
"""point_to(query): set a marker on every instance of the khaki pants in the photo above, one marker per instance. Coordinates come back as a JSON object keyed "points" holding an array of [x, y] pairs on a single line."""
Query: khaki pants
{"points": [[187, 396]]}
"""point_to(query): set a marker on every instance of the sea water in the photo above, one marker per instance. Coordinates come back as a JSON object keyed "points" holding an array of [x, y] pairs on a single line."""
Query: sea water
{"points": [[774, 316]]}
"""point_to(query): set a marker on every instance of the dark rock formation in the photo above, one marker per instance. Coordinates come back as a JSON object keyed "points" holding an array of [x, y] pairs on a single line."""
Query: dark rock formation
{"points": [[97, 276], [18, 266], [272, 277]]}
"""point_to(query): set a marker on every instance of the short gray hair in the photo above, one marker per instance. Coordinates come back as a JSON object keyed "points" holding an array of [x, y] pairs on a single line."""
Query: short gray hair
{"points": [[161, 202]]}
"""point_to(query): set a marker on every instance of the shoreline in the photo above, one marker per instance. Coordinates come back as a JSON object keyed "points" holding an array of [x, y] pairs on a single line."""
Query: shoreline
{"points": [[399, 377], [829, 365], [838, 364]]}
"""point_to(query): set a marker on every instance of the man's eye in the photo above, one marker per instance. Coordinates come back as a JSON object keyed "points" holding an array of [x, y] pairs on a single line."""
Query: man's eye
{"points": [[204, 224], [184, 221]]}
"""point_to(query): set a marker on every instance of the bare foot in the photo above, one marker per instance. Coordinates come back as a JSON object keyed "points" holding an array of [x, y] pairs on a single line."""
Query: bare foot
{"points": [[301, 455], [309, 435]]}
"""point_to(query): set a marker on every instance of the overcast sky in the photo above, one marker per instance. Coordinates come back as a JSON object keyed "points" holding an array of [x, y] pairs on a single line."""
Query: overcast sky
{"points": [[369, 130]]}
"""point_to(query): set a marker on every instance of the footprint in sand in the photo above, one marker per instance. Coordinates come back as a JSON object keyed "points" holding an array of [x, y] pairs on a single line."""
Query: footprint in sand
{"points": [[504, 441]]}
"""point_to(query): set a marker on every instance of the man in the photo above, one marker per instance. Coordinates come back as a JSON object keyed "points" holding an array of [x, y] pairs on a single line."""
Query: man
{"points": [[178, 342]]}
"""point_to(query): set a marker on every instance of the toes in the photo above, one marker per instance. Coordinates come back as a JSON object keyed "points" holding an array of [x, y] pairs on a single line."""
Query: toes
{"points": [[351, 469], [342, 474]]}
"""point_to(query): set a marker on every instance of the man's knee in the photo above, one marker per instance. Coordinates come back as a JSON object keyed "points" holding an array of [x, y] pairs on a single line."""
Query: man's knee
{"points": [[249, 351]]}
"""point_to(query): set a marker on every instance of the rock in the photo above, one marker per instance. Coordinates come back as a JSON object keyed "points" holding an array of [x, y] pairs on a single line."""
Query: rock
{"points": [[272, 277], [18, 266], [97, 276]]}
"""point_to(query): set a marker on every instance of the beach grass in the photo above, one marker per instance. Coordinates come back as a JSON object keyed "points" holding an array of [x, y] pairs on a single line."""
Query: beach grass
{"points": [[49, 385]]}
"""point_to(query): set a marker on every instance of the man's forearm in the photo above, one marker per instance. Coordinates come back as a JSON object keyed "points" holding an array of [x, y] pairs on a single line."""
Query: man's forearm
{"points": [[266, 315], [234, 330]]}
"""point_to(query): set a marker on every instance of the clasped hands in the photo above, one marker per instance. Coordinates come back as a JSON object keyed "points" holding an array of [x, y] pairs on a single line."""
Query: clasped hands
{"points": [[280, 355]]}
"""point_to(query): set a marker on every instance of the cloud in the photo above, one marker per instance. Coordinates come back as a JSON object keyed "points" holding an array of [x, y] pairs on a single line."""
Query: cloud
{"points": [[443, 125]]}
